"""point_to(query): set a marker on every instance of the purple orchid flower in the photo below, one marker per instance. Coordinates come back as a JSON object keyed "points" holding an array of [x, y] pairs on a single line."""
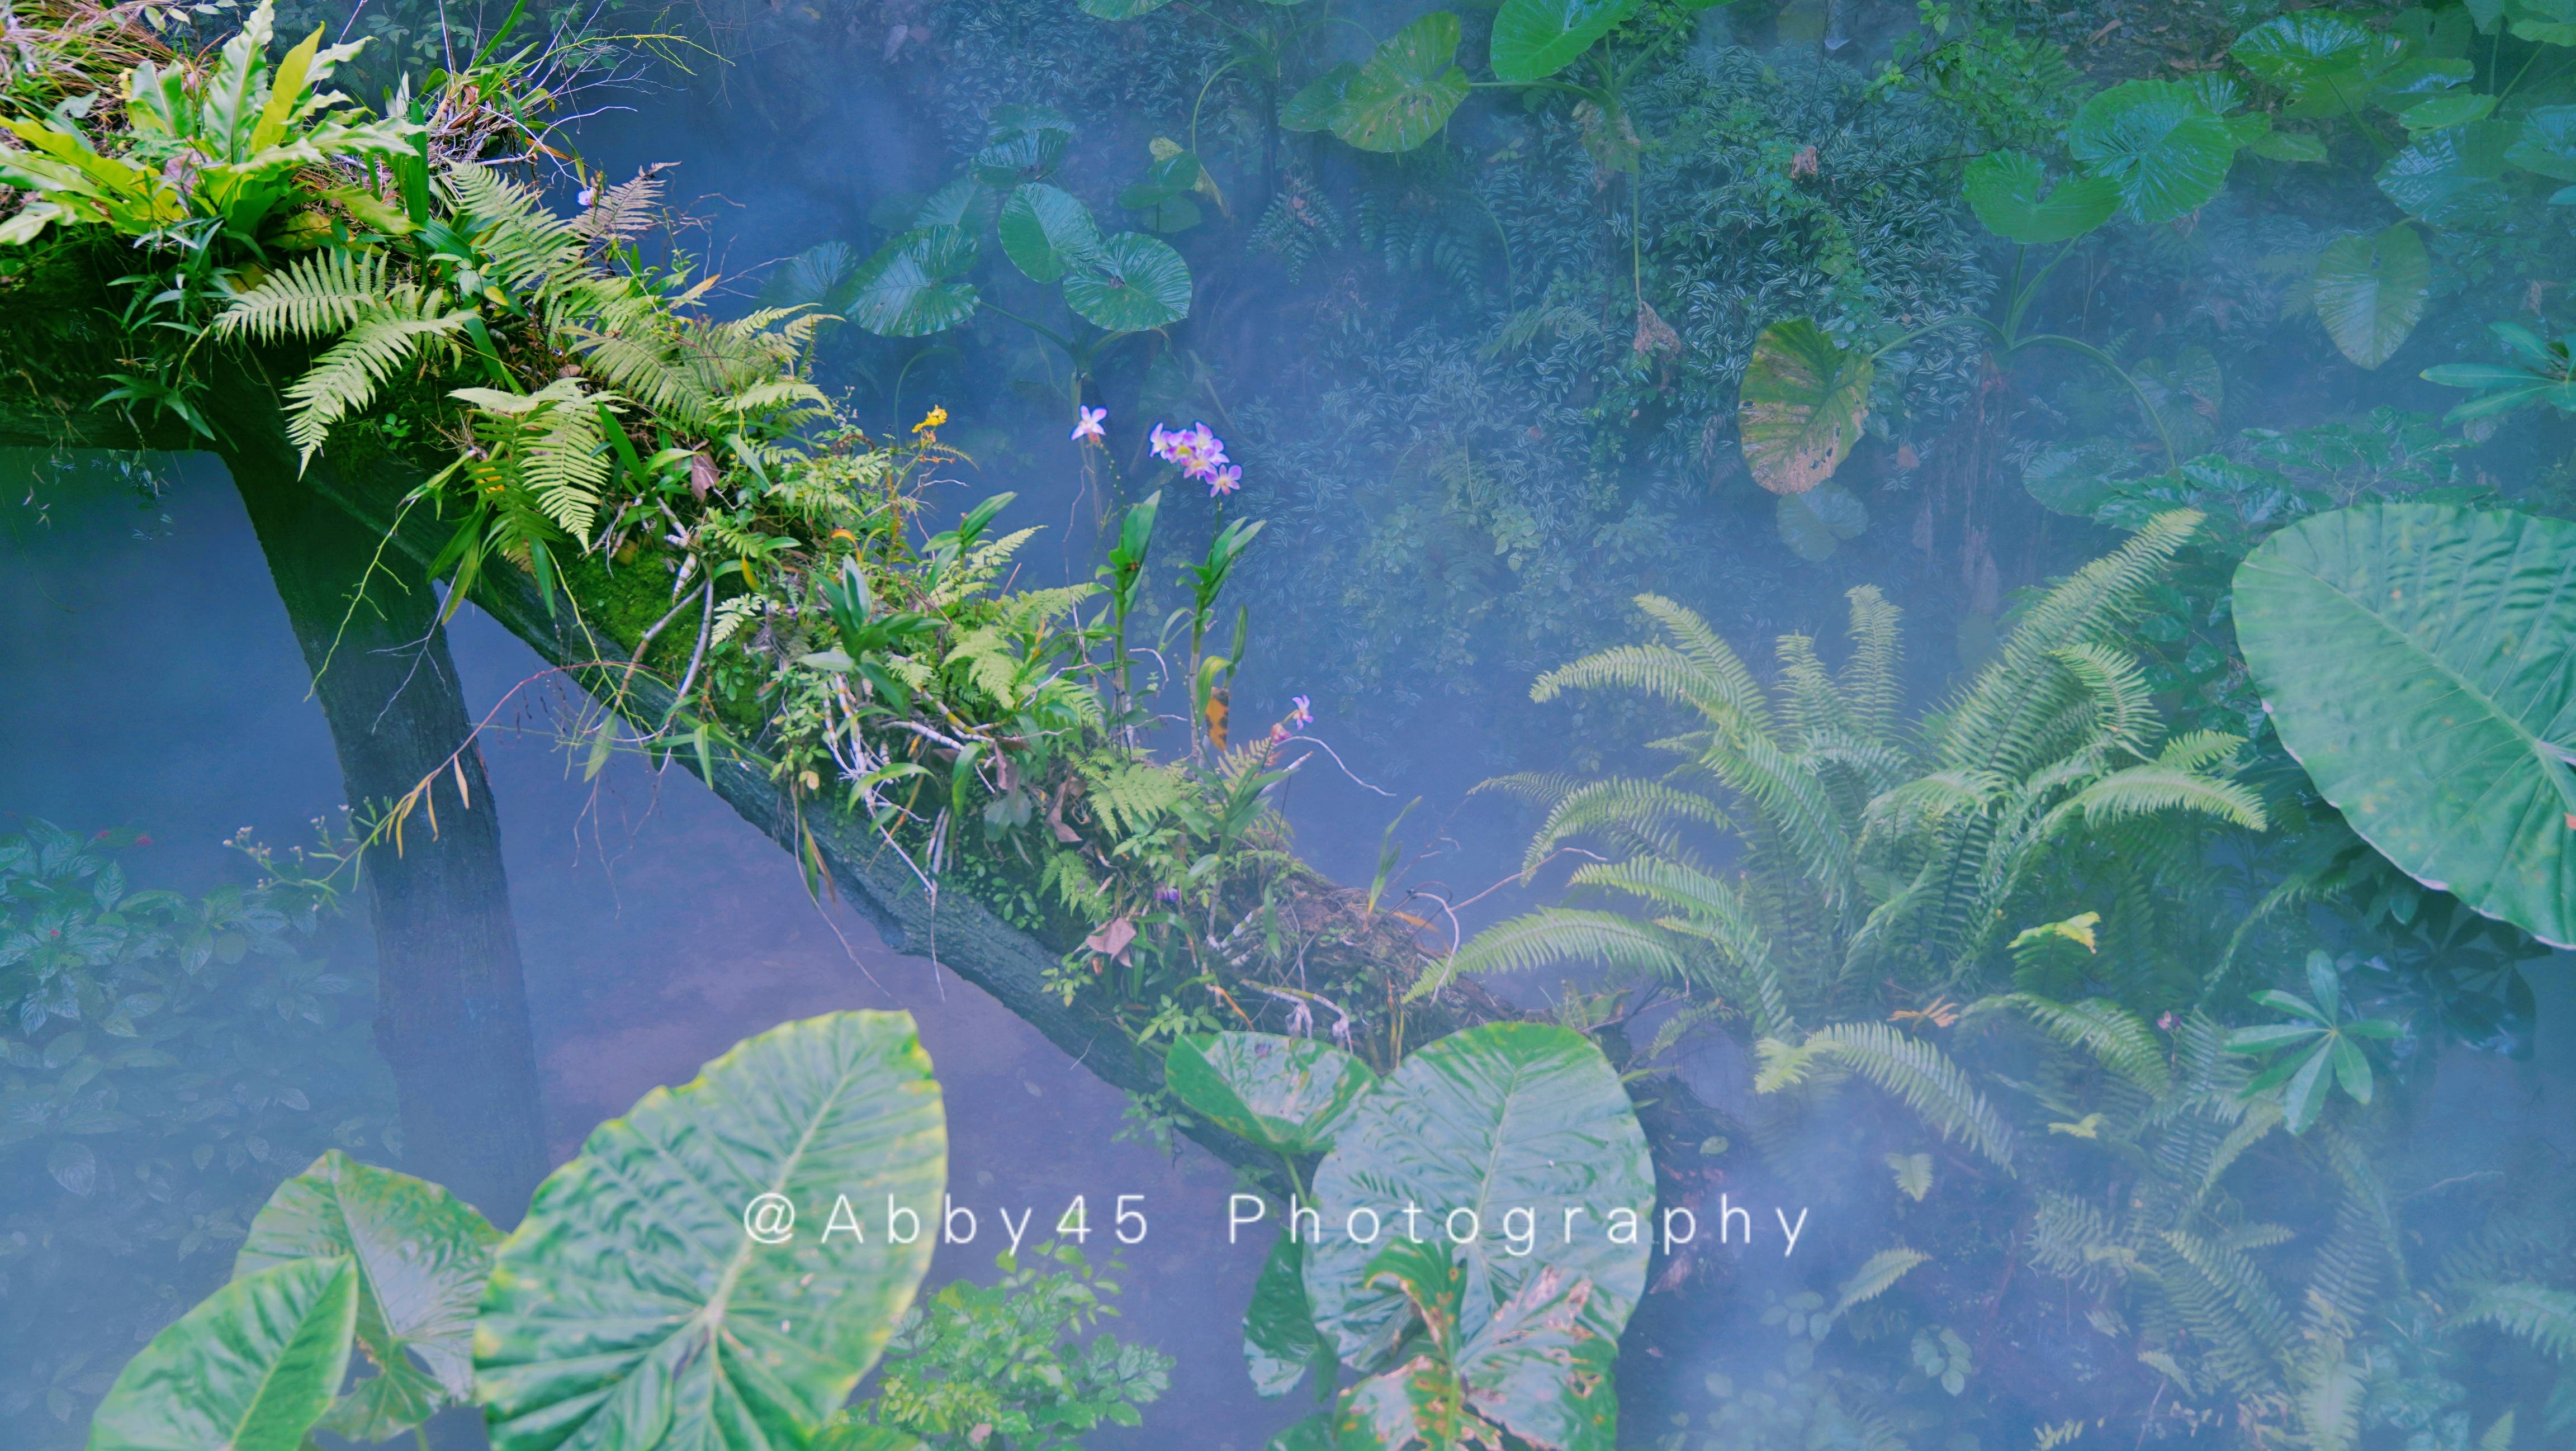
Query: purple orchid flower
{"points": [[1089, 427]]}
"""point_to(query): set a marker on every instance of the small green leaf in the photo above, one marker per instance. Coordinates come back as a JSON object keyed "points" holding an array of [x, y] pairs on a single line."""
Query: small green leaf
{"points": [[1137, 283], [1405, 92], [1046, 231], [1279, 1340], [913, 285], [2370, 292], [2158, 142], [2288, 146], [1800, 407], [2547, 143], [1534, 39], [1814, 524], [1022, 144], [2450, 177], [2004, 190], [251, 1368], [2441, 112]]}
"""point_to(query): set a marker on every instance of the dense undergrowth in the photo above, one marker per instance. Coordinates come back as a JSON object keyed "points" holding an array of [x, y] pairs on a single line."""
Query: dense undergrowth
{"points": [[2118, 1019]]}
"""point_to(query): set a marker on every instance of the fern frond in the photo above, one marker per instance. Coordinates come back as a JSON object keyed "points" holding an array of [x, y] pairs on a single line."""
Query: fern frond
{"points": [[2123, 705], [1876, 1276], [1869, 687], [344, 379], [1924, 1077], [1553, 936], [2536, 1313], [2118, 1039], [2153, 788], [1708, 907], [1636, 815], [322, 292]]}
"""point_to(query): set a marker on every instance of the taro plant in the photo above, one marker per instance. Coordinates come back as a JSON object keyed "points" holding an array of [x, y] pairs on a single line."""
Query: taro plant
{"points": [[1516, 1144], [2410, 656], [641, 1303]]}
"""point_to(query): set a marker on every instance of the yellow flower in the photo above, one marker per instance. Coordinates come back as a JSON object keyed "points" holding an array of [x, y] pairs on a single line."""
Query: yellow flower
{"points": [[931, 420]]}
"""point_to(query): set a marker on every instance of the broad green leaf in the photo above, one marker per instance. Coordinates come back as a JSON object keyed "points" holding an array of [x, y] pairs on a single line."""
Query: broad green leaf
{"points": [[1800, 407], [251, 1368], [1022, 144], [2547, 143], [2414, 659], [634, 1308], [846, 1432], [2288, 146], [1498, 1118], [915, 284], [1279, 1340], [2450, 177], [1046, 231], [1540, 1369], [1404, 93], [2328, 63], [2370, 292], [421, 1256], [2458, 108], [2158, 143], [2003, 189], [1137, 283], [1286, 1094], [1317, 106], [1815, 523], [1534, 39], [1315, 1433], [951, 205], [2076, 478]]}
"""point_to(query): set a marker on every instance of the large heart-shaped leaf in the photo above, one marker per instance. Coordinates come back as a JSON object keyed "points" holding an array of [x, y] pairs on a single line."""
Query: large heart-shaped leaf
{"points": [[915, 284], [2370, 292], [1404, 93], [1499, 1118], [1317, 106], [634, 1308], [1286, 1094], [2158, 142], [1534, 39], [1136, 282], [1279, 1340], [2326, 61], [1021, 144], [421, 1256], [2547, 143], [1046, 231], [2415, 659], [2451, 177], [1815, 523], [1800, 408], [251, 1368], [2004, 187]]}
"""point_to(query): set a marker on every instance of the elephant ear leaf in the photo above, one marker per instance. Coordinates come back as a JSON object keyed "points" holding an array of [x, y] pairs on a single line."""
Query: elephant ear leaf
{"points": [[1534, 39], [1289, 1095], [2413, 659], [421, 1256], [2004, 187], [634, 1307], [2159, 143], [1133, 283], [1405, 91], [1279, 1340], [1046, 231], [1317, 106], [914, 284], [1801, 406], [2370, 292], [251, 1368], [1492, 1121]]}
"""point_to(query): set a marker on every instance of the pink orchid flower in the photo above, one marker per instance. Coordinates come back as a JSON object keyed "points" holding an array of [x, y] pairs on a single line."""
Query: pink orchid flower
{"points": [[1089, 427]]}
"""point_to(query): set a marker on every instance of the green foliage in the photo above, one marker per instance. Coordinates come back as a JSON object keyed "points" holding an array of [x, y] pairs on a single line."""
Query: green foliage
{"points": [[2407, 652], [576, 1325], [1404, 92], [1289, 1095], [420, 1258], [2314, 1055], [252, 1367], [2370, 292], [163, 1059], [1801, 406], [1534, 39], [2159, 143], [1005, 1366], [2004, 189]]}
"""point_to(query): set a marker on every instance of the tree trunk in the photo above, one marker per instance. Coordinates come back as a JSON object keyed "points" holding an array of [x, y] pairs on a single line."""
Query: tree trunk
{"points": [[452, 1014]]}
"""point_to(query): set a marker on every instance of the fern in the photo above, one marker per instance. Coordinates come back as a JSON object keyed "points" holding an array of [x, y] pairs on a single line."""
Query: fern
{"points": [[1870, 689], [2118, 1039], [1553, 936], [2542, 1316], [316, 295], [1635, 815], [1877, 1275], [1923, 1076], [344, 380], [1710, 907]]}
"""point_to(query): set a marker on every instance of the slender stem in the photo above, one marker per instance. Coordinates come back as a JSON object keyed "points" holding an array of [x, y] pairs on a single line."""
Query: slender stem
{"points": [[1041, 329], [2154, 415], [1213, 77]]}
